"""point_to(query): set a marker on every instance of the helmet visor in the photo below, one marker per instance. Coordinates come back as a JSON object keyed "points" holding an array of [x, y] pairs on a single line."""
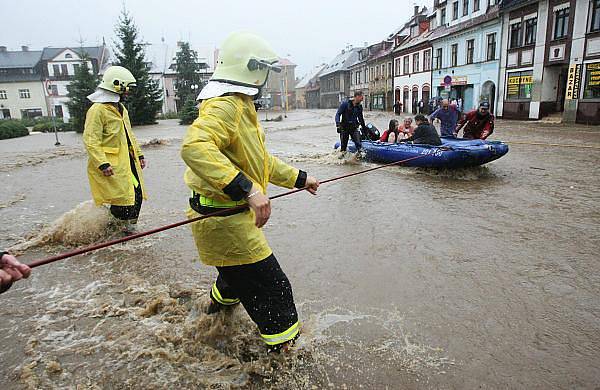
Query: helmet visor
{"points": [[255, 64]]}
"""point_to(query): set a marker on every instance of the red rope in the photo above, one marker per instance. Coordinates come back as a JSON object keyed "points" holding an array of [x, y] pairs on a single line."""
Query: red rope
{"points": [[105, 244]]}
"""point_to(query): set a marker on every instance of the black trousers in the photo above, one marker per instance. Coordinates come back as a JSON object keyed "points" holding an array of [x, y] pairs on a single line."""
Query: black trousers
{"points": [[132, 212], [345, 134], [265, 292]]}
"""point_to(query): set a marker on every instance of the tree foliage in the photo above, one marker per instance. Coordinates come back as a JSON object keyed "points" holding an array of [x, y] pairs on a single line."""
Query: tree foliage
{"points": [[84, 83], [144, 101]]}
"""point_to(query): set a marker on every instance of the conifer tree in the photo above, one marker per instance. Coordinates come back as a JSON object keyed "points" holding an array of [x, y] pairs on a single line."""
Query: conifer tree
{"points": [[83, 84], [144, 101], [188, 78]]}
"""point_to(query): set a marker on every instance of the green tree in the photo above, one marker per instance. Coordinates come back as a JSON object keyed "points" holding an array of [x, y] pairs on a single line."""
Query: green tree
{"points": [[144, 101], [189, 112], [187, 68], [84, 83]]}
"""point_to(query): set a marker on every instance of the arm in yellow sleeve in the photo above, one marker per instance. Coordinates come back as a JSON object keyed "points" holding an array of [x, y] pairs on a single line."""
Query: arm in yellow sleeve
{"points": [[206, 137], [284, 175], [92, 136]]}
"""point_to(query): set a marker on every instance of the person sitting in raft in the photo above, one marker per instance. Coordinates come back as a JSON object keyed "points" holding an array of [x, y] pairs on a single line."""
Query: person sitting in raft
{"points": [[407, 128], [392, 134], [425, 133]]}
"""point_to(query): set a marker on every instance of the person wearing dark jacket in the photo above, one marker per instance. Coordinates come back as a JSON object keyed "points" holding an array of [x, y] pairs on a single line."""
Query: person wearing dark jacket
{"points": [[11, 271], [478, 124], [425, 133], [348, 118]]}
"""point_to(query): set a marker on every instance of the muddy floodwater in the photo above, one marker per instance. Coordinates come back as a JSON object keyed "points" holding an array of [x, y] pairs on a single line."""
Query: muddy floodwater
{"points": [[404, 278]]}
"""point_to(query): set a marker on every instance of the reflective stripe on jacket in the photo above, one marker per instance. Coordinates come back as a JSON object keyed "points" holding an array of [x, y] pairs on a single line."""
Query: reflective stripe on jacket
{"points": [[225, 140]]}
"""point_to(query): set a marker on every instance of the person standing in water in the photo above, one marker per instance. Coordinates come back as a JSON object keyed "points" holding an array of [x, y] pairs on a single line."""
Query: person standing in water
{"points": [[228, 165], [348, 118], [115, 160], [448, 115]]}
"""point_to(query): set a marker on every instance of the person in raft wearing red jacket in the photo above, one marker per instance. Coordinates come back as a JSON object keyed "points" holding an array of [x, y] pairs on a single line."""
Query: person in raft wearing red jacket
{"points": [[478, 124]]}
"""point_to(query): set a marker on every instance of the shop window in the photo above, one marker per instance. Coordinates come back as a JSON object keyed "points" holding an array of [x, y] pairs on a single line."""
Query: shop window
{"points": [[519, 85], [592, 81]]}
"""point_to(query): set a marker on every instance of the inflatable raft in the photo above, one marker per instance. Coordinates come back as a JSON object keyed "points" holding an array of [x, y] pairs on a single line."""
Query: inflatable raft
{"points": [[453, 153]]}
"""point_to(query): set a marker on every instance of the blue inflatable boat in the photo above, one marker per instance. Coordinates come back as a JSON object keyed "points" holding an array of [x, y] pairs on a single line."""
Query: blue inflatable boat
{"points": [[453, 153]]}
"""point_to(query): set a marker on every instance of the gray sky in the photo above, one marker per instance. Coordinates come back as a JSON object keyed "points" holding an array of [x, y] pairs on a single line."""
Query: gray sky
{"points": [[310, 31]]}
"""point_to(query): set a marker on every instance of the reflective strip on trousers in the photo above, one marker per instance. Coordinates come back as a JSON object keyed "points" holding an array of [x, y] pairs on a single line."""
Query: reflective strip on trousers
{"points": [[274, 339], [223, 301]]}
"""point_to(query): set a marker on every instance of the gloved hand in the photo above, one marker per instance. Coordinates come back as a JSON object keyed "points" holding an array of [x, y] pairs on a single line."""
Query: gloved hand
{"points": [[338, 127]]}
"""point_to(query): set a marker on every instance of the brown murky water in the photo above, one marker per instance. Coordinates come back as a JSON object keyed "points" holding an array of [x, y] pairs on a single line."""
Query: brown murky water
{"points": [[404, 278]]}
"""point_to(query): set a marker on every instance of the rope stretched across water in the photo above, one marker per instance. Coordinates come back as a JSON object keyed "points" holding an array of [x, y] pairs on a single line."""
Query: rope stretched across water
{"points": [[106, 244]]}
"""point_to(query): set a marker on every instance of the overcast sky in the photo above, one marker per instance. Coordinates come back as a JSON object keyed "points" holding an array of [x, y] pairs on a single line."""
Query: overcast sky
{"points": [[309, 31]]}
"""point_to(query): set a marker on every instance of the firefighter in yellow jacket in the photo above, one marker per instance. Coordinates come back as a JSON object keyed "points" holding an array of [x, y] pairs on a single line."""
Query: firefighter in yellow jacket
{"points": [[228, 165], [115, 160]]}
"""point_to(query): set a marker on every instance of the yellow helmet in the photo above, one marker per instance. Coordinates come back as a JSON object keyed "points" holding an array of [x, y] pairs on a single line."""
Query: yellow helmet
{"points": [[117, 79], [245, 59]]}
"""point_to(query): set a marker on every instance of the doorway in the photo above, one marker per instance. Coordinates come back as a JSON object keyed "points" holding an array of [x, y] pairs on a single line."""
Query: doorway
{"points": [[561, 89], [488, 94]]}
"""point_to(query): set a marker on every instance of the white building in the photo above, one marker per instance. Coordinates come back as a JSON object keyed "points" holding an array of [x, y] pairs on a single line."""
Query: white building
{"points": [[466, 51], [58, 70]]}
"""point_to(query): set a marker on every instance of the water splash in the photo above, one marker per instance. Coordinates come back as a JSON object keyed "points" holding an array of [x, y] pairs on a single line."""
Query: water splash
{"points": [[85, 224]]}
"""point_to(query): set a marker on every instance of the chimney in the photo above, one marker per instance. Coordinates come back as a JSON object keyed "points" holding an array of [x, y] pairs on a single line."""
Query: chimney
{"points": [[25, 48], [2, 49], [416, 10]]}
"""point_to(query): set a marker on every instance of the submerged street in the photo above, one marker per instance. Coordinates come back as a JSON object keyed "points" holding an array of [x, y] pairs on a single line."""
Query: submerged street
{"points": [[404, 278]]}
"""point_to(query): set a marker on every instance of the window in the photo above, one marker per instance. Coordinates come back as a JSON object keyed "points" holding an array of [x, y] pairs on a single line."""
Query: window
{"points": [[515, 35], [75, 68], [31, 113], [398, 64], [55, 70], [383, 71], [592, 81], [54, 90], [406, 65], [416, 64], [519, 85], [476, 5], [3, 94], [63, 69], [427, 60], [389, 69], [443, 16], [470, 50], [455, 10], [438, 58], [68, 55], [491, 47], [561, 23], [595, 10], [530, 31], [24, 94], [465, 7], [454, 59]]}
